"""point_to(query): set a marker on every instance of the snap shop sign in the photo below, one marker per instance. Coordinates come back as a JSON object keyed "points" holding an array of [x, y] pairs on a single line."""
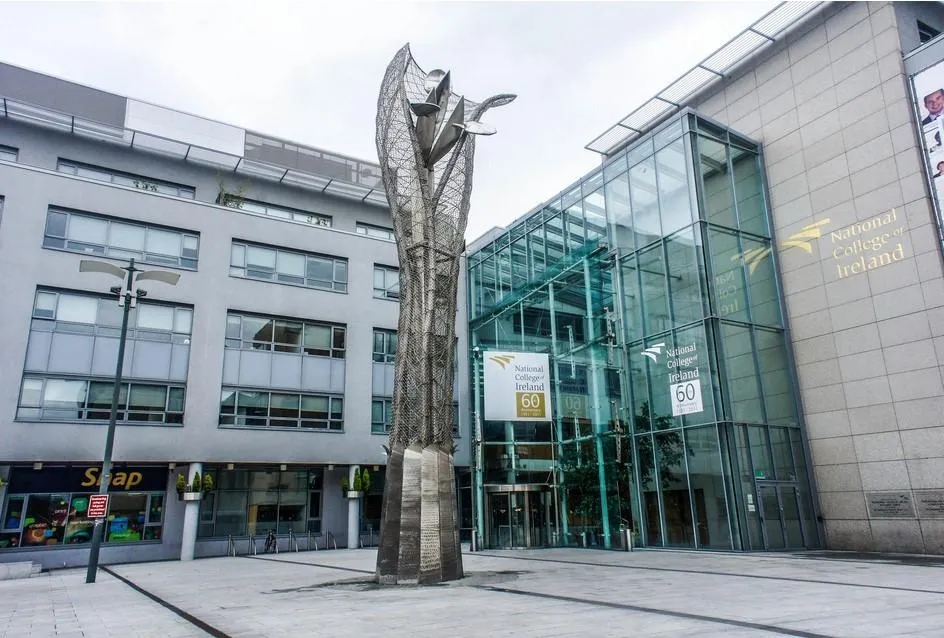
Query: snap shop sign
{"points": [[517, 386], [26, 480]]}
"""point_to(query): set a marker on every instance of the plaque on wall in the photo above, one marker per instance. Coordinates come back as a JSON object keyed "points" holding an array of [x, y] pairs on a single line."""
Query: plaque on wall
{"points": [[890, 504], [930, 503]]}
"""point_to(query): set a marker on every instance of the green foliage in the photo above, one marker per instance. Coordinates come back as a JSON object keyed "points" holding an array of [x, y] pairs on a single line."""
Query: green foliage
{"points": [[233, 199], [365, 480], [344, 484], [207, 482], [358, 484], [196, 484], [181, 484]]}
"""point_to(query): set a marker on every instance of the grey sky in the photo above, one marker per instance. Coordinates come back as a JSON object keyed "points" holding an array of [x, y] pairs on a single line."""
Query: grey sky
{"points": [[310, 72]]}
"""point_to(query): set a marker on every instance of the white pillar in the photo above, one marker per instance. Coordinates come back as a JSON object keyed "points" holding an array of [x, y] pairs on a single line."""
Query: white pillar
{"points": [[191, 517], [353, 512]]}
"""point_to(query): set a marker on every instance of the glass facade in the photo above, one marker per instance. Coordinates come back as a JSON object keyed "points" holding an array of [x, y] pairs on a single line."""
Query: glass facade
{"points": [[651, 286]]}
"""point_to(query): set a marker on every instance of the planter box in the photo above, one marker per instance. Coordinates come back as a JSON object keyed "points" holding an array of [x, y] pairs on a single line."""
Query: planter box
{"points": [[353, 494], [191, 496]]}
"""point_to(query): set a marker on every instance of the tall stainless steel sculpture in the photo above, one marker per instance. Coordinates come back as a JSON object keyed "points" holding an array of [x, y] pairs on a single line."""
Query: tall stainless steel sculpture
{"points": [[425, 145]]}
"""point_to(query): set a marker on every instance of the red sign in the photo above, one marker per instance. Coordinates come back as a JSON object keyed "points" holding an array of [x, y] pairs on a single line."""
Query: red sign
{"points": [[98, 506]]}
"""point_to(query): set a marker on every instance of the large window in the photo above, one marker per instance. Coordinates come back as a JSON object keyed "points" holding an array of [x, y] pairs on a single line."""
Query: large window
{"points": [[381, 415], [288, 267], [385, 345], [55, 311], [386, 282], [8, 153], [261, 409], [272, 210], [258, 500], [120, 178], [377, 232], [119, 239], [254, 332], [31, 520], [45, 398]]}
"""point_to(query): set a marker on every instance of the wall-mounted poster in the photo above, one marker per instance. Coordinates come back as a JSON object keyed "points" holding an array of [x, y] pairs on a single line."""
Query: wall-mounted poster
{"points": [[929, 93]]}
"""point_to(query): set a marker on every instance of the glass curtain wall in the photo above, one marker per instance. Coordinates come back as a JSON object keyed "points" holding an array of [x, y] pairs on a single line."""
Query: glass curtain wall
{"points": [[651, 284]]}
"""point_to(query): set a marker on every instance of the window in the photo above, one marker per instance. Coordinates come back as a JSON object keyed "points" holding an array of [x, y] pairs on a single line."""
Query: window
{"points": [[281, 212], [9, 153], [385, 345], [257, 500], [381, 415], [60, 399], [260, 409], [301, 269], [120, 178], [377, 232], [386, 282], [254, 332], [55, 311], [119, 239], [60, 518], [926, 32]]}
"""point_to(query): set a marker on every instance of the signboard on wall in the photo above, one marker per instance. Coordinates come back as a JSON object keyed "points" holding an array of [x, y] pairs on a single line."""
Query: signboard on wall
{"points": [[517, 386], [929, 93]]}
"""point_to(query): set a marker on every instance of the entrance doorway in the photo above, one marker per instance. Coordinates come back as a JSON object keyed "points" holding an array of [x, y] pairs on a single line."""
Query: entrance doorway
{"points": [[517, 516], [779, 513]]}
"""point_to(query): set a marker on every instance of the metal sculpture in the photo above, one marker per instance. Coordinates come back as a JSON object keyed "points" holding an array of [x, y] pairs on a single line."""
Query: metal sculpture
{"points": [[425, 145]]}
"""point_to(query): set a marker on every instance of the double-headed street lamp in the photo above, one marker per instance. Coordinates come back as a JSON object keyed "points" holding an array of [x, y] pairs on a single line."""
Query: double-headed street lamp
{"points": [[127, 299]]}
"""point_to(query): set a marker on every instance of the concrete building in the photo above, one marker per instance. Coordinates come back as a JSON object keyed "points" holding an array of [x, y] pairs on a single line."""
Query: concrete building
{"points": [[769, 224], [267, 367]]}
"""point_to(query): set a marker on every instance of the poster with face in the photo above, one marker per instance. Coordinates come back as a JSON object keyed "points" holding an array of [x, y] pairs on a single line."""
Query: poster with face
{"points": [[929, 92]]}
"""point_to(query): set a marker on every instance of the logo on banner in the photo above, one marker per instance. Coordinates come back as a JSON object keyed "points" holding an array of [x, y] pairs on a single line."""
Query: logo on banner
{"points": [[517, 386]]}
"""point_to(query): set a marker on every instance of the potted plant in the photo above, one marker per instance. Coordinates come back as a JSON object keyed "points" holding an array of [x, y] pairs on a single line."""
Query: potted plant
{"points": [[192, 492], [207, 482]]}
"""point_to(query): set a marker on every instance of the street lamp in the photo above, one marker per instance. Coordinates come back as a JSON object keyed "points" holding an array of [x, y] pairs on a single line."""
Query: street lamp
{"points": [[127, 299]]}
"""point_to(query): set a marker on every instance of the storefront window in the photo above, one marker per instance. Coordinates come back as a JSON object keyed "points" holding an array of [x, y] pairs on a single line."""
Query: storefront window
{"points": [[34, 518], [256, 501]]}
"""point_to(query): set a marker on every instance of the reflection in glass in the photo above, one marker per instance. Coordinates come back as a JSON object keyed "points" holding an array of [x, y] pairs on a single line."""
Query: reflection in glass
{"points": [[645, 202], [741, 373], [752, 215], [674, 198], [708, 495], [716, 180]]}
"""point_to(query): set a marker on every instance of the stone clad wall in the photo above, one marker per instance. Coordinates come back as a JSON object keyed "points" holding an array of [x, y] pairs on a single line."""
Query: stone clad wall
{"points": [[861, 271]]}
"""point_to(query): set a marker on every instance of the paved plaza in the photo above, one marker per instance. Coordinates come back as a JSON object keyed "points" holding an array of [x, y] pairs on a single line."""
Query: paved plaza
{"points": [[555, 592]]}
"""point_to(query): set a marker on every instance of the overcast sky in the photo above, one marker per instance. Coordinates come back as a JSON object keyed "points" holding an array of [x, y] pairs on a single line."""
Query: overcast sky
{"points": [[310, 72]]}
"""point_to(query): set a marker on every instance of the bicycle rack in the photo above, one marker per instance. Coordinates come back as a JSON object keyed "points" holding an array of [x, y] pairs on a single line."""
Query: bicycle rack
{"points": [[308, 546], [292, 541], [252, 544], [329, 538], [231, 546]]}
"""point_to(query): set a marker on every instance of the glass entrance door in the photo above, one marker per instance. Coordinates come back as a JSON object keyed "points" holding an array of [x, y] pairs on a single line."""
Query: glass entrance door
{"points": [[517, 519], [780, 516]]}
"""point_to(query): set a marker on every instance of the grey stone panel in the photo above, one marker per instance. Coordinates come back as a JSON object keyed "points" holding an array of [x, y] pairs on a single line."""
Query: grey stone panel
{"points": [[884, 446], [884, 475], [872, 419], [897, 536]]}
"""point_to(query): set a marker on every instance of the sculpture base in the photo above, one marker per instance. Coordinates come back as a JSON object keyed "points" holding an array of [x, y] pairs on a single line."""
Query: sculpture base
{"points": [[419, 535]]}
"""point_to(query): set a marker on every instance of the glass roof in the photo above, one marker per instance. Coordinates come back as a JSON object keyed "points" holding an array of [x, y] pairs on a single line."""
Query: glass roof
{"points": [[758, 36]]}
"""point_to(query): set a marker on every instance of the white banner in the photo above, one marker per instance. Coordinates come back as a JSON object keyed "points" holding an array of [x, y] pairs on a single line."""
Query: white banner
{"points": [[517, 386]]}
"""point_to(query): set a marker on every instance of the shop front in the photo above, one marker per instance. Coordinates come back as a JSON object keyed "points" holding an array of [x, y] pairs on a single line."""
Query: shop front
{"points": [[46, 506]]}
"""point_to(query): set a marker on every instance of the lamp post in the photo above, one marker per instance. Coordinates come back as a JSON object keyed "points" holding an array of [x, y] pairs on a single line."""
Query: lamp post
{"points": [[127, 299]]}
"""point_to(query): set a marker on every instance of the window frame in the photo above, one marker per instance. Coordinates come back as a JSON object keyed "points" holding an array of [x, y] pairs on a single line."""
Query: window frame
{"points": [[386, 292], [242, 270], [108, 251], [385, 234], [242, 343], [138, 182], [87, 412], [7, 151], [276, 211], [230, 419], [385, 355]]}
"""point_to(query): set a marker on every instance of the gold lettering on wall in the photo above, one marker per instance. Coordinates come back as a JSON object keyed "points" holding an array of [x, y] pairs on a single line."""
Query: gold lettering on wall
{"points": [[867, 245]]}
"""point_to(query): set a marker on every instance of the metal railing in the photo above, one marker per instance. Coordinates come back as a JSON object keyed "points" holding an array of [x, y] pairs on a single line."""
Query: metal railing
{"points": [[252, 545], [231, 546]]}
